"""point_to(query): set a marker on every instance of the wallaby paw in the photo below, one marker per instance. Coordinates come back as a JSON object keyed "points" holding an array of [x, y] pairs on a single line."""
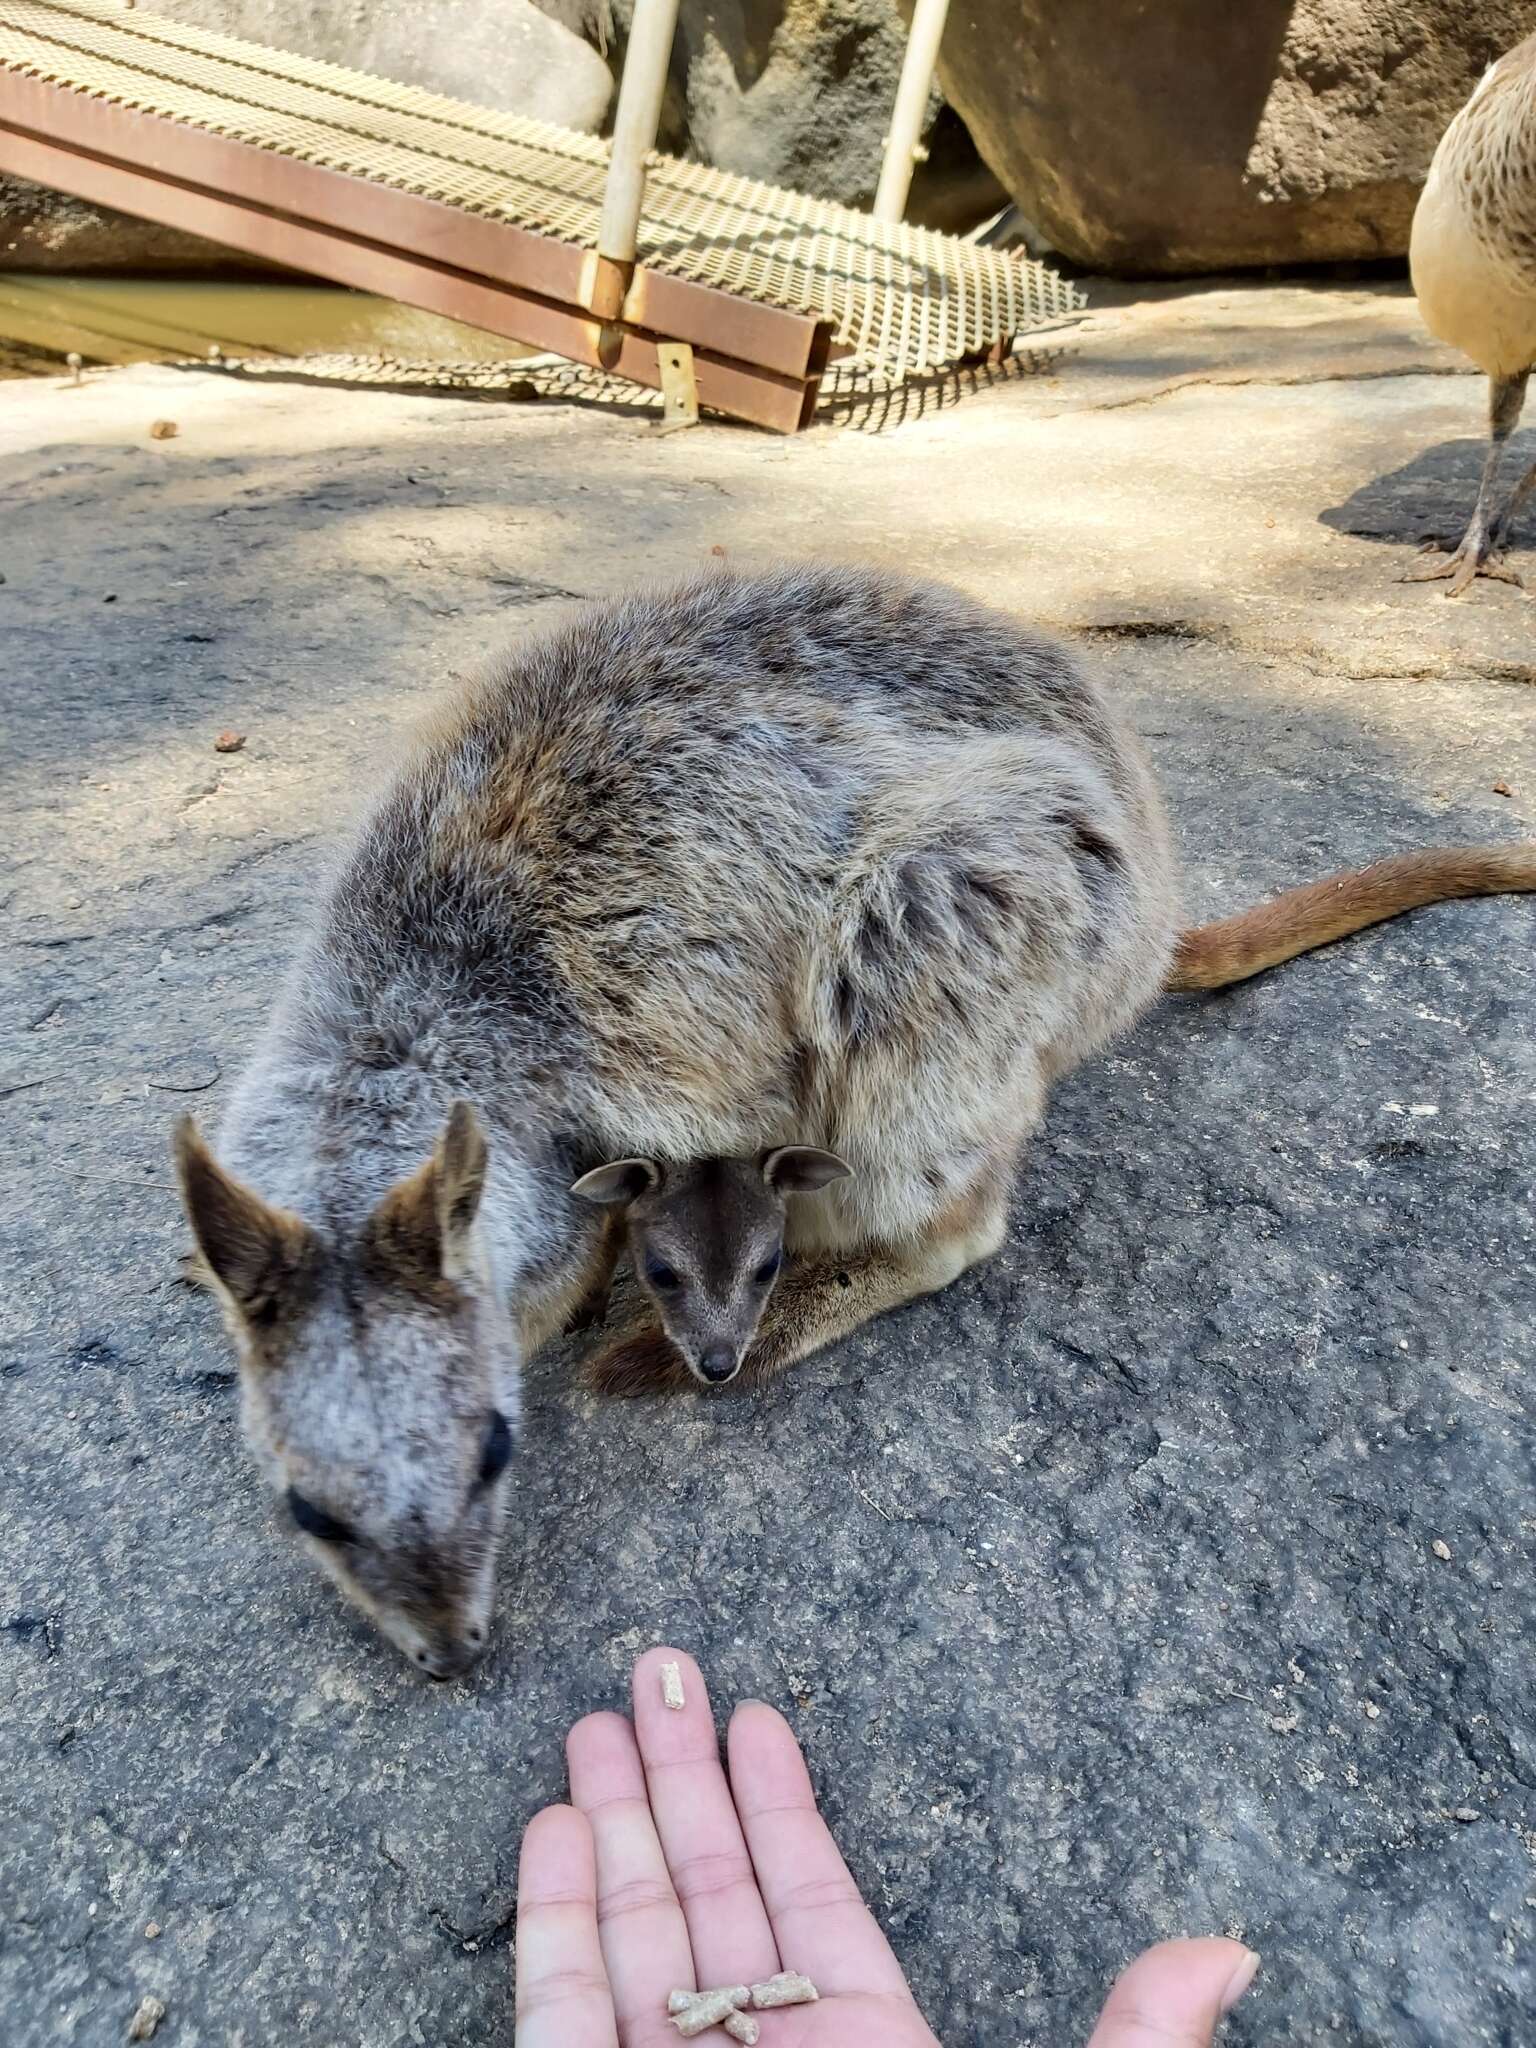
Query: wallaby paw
{"points": [[643, 1364], [591, 1315]]}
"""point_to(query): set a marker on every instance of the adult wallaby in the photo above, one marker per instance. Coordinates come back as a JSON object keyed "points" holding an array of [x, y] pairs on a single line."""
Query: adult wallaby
{"points": [[821, 856]]}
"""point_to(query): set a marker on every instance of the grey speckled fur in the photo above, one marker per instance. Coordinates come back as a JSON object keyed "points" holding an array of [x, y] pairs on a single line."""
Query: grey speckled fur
{"points": [[819, 856]]}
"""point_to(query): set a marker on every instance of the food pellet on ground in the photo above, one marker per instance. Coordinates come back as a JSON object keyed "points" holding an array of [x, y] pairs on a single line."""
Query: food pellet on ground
{"points": [[149, 2015], [672, 1687], [789, 1987], [1442, 1549]]}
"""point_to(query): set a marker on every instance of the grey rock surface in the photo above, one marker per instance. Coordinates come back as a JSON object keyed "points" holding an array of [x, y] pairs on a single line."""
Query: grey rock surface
{"points": [[1195, 135], [1102, 1589]]}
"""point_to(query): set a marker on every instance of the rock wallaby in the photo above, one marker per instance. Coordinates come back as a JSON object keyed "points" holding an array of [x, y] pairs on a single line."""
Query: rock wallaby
{"points": [[706, 1240], [821, 855]]}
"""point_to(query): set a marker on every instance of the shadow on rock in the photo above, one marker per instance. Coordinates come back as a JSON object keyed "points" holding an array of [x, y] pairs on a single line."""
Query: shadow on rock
{"points": [[1430, 498]]}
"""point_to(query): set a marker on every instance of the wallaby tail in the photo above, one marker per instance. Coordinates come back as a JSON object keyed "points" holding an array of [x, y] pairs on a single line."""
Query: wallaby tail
{"points": [[1216, 955]]}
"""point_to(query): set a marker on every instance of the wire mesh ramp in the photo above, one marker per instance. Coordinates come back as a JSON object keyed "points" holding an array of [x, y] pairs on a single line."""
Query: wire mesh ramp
{"points": [[489, 218]]}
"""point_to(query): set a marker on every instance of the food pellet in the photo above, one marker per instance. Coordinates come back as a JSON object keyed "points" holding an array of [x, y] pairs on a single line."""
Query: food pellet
{"points": [[789, 1987], [149, 2015], [1442, 1549], [672, 1688], [705, 2008], [742, 2027]]}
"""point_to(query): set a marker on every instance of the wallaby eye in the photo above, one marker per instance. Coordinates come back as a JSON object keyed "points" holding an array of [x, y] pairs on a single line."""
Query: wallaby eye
{"points": [[496, 1451], [315, 1521], [661, 1276], [769, 1268]]}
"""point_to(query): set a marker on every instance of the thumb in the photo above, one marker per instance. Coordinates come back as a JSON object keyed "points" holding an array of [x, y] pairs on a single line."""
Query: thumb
{"points": [[1175, 1995]]}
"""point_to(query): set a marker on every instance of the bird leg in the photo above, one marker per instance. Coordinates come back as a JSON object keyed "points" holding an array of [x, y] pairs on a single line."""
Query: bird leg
{"points": [[1480, 552], [1517, 497]]}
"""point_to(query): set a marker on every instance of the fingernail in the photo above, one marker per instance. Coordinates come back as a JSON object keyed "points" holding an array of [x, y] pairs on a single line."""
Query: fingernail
{"points": [[1241, 1978]]}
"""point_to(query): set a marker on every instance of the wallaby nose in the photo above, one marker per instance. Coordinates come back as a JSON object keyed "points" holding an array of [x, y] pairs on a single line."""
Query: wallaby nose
{"points": [[447, 1660], [718, 1363]]}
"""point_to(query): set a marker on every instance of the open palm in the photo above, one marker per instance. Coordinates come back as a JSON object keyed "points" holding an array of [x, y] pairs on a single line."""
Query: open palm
{"points": [[662, 1874]]}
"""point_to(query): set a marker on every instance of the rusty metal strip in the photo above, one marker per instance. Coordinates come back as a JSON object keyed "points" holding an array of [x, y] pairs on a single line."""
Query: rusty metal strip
{"points": [[744, 390], [792, 344], [901, 297]]}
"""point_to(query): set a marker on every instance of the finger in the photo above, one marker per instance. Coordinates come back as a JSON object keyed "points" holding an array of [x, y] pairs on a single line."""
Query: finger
{"points": [[639, 1920], [562, 1992], [701, 1837], [1175, 1995], [820, 1923]]}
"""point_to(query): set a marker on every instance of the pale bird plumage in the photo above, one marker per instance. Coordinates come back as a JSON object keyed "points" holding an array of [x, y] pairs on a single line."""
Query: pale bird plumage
{"points": [[1473, 259]]}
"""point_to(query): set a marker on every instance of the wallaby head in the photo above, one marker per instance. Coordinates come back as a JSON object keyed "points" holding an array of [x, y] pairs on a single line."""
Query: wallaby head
{"points": [[379, 1386], [707, 1241]]}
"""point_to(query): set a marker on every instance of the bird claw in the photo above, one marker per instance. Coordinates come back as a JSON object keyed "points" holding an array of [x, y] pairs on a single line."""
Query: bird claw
{"points": [[1461, 566]]}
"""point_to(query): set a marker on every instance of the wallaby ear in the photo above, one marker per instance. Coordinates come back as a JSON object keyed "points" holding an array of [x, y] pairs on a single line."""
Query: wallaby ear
{"points": [[423, 1228], [802, 1170], [252, 1251], [623, 1181]]}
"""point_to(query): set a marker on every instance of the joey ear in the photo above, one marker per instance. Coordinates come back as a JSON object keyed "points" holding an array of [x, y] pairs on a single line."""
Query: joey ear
{"points": [[802, 1170], [423, 1228], [252, 1251], [623, 1181]]}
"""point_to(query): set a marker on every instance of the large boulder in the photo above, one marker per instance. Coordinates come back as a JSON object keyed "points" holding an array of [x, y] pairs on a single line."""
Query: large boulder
{"points": [[799, 93], [502, 53], [1206, 134]]}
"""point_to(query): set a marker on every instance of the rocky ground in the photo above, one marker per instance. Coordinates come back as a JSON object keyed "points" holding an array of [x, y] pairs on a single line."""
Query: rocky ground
{"points": [[1171, 1573]]}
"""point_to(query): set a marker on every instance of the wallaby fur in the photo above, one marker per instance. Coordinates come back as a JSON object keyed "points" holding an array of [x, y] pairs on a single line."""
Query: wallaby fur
{"points": [[706, 1240], [818, 855]]}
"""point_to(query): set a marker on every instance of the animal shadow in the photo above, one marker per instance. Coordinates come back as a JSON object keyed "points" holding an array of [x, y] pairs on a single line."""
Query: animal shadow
{"points": [[1432, 496]]}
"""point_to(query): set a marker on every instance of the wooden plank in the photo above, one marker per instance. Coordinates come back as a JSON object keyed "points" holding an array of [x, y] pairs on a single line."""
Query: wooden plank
{"points": [[744, 390], [793, 344]]}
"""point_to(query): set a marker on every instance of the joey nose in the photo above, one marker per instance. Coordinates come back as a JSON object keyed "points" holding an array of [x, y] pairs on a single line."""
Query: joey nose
{"points": [[718, 1363]]}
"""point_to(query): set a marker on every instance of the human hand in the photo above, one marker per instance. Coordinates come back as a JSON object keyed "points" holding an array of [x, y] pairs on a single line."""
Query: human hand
{"points": [[660, 1873]]}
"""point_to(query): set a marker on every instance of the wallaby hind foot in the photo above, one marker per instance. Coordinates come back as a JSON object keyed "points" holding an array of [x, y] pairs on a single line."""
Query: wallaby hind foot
{"points": [[643, 1361]]}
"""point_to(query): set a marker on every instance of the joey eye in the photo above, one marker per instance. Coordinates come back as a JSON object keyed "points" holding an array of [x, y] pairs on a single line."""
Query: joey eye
{"points": [[768, 1270], [661, 1276], [315, 1521], [496, 1451]]}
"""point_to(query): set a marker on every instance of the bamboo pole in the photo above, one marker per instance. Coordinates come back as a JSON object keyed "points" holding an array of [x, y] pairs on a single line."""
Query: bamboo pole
{"points": [[903, 146], [635, 123]]}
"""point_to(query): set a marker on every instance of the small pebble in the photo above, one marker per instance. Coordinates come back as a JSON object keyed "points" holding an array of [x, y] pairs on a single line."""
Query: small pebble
{"points": [[1372, 1711], [1502, 789], [1442, 1549], [229, 742], [1466, 1813], [149, 2015], [152, 1930]]}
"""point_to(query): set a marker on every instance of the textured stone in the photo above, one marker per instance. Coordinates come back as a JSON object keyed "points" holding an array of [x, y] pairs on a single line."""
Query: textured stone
{"points": [[1040, 1560], [800, 93], [1196, 135]]}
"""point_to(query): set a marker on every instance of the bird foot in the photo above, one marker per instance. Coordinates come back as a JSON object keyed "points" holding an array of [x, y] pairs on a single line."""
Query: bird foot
{"points": [[1476, 556]]}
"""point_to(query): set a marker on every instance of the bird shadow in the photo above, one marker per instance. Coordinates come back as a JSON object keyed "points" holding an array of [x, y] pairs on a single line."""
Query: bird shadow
{"points": [[1432, 496]]}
